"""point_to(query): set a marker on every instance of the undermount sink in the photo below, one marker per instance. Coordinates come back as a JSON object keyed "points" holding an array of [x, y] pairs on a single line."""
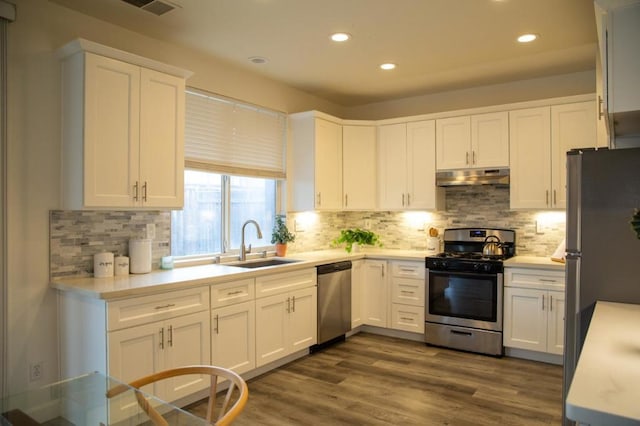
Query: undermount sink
{"points": [[263, 263]]}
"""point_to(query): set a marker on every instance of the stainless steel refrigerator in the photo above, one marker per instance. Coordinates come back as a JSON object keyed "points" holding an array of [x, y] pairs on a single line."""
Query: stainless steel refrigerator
{"points": [[602, 249]]}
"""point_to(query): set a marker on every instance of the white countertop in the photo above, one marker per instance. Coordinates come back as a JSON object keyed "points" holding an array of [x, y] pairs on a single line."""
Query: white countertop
{"points": [[533, 262], [191, 276], [605, 389]]}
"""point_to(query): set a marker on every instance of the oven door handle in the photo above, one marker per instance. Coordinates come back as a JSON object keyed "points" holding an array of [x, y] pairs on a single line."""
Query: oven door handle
{"points": [[464, 333], [461, 274]]}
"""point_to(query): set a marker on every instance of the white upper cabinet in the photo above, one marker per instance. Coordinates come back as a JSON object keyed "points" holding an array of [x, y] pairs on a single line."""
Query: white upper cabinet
{"points": [[539, 140], [406, 167], [359, 167], [314, 171], [476, 141], [123, 132]]}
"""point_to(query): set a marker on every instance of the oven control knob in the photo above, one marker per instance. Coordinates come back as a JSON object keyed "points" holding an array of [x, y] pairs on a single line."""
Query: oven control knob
{"points": [[487, 268]]}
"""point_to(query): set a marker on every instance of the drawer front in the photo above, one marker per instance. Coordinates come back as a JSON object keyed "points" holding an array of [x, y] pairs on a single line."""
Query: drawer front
{"points": [[407, 291], [536, 279], [232, 292], [141, 310], [281, 283], [408, 270], [407, 318]]}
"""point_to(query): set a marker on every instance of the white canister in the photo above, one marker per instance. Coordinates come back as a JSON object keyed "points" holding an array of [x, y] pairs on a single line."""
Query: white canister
{"points": [[433, 245], [140, 256], [121, 265], [103, 265]]}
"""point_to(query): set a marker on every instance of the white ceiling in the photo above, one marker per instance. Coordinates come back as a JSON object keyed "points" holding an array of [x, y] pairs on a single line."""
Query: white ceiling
{"points": [[439, 45]]}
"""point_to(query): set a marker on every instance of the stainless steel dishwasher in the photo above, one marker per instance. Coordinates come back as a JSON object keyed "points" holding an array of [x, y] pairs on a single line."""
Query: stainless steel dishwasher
{"points": [[334, 301]]}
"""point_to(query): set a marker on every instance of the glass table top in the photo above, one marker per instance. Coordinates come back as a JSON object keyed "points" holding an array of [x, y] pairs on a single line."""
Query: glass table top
{"points": [[82, 401]]}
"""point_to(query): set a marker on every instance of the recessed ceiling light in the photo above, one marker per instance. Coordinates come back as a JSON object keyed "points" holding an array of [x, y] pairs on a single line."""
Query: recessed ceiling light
{"points": [[388, 66], [526, 38], [340, 37], [258, 60]]}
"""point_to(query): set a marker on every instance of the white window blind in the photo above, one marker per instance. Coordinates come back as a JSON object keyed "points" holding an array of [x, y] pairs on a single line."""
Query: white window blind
{"points": [[227, 136]]}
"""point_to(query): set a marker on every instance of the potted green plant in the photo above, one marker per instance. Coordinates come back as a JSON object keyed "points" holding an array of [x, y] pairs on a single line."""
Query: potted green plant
{"points": [[354, 238], [280, 236]]}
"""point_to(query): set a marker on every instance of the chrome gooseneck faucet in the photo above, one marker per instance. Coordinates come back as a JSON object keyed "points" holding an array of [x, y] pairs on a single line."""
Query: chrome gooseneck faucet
{"points": [[243, 249]]}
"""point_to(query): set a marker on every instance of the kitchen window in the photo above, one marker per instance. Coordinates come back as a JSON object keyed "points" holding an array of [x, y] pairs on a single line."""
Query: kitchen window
{"points": [[234, 169]]}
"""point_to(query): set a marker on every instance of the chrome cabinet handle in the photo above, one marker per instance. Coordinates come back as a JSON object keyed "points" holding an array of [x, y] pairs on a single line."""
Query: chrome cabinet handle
{"points": [[288, 305], [546, 280], [550, 303], [467, 158], [168, 305], [546, 197], [402, 200], [144, 191], [382, 267], [135, 191], [346, 200], [406, 319], [293, 309], [406, 292], [232, 293], [543, 302], [408, 199], [217, 327], [162, 338], [473, 157], [555, 200], [170, 339]]}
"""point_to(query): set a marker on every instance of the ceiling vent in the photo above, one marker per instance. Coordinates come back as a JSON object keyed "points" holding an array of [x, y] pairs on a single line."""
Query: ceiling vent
{"points": [[156, 7]]}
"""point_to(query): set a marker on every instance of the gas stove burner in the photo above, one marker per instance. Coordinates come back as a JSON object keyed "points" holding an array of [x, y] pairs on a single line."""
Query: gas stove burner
{"points": [[468, 256]]}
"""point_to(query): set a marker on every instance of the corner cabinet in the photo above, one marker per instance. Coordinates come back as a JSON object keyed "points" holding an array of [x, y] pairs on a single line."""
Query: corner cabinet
{"points": [[476, 141], [534, 310], [375, 293], [123, 130], [407, 166], [539, 140]]}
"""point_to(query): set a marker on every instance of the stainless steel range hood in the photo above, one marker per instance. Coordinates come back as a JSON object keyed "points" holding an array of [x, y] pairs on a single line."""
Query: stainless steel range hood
{"points": [[473, 177]]}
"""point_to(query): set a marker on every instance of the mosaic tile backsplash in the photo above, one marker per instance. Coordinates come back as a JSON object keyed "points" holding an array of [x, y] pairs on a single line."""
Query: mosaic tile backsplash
{"points": [[466, 206], [75, 236]]}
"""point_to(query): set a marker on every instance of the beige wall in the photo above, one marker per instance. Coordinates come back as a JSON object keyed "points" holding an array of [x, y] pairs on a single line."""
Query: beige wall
{"points": [[34, 147], [525, 90]]}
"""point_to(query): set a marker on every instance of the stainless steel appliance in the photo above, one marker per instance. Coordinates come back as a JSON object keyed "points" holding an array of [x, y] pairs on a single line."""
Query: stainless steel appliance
{"points": [[602, 249], [464, 291], [334, 301]]}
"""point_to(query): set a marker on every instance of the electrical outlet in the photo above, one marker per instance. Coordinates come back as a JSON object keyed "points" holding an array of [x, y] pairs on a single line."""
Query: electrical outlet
{"points": [[35, 371], [151, 231]]}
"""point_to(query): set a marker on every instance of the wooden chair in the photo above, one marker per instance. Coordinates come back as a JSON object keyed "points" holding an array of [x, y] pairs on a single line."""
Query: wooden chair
{"points": [[228, 411]]}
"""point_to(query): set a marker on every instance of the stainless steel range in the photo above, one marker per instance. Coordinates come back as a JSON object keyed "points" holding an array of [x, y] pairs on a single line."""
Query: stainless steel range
{"points": [[464, 290]]}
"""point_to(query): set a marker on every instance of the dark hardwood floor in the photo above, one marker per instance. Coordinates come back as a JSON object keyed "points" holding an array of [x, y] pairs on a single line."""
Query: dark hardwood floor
{"points": [[377, 380]]}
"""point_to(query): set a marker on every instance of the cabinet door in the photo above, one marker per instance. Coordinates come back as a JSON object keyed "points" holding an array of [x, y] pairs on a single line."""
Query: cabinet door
{"points": [[111, 132], [187, 342], [328, 165], [572, 126], [272, 315], [392, 164], [162, 115], [525, 319], [233, 337], [357, 279], [135, 352], [530, 157], [303, 319], [376, 293], [421, 166], [490, 140], [555, 335], [453, 136], [359, 167]]}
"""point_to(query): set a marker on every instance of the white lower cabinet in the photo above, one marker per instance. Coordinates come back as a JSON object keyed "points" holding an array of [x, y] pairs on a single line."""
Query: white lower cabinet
{"points": [[145, 349], [407, 296], [233, 337], [286, 321], [375, 293], [357, 280], [534, 310]]}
